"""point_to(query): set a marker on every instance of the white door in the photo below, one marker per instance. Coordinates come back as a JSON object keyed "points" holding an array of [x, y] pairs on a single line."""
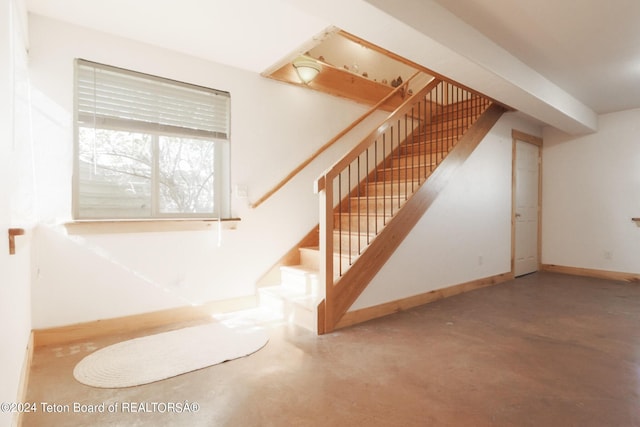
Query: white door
{"points": [[526, 207]]}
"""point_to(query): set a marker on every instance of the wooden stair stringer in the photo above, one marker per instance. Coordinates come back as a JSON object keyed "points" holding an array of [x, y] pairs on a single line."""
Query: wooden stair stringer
{"points": [[355, 280]]}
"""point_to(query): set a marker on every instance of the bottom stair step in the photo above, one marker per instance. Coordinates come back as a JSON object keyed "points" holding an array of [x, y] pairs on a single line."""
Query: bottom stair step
{"points": [[296, 307], [300, 278]]}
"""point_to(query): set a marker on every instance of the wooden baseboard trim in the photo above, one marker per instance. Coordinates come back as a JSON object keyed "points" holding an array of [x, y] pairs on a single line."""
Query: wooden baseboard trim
{"points": [[590, 272], [24, 379], [138, 322], [359, 316]]}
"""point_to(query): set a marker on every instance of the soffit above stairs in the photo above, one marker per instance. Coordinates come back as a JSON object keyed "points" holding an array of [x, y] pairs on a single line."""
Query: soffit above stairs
{"points": [[349, 68]]}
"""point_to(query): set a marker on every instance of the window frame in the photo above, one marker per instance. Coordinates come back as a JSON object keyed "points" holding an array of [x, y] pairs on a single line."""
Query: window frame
{"points": [[221, 153]]}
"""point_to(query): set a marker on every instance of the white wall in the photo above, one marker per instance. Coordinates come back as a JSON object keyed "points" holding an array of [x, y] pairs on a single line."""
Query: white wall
{"points": [[591, 190], [274, 128], [14, 269], [78, 281], [470, 219]]}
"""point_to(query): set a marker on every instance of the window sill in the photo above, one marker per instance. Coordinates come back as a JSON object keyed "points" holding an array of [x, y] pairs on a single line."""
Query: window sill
{"points": [[147, 225]]}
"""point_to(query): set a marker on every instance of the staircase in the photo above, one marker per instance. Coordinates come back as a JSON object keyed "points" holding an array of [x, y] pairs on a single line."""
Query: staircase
{"points": [[364, 192]]}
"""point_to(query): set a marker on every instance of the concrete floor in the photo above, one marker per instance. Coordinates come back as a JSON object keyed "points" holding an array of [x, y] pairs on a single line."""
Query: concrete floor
{"points": [[543, 350]]}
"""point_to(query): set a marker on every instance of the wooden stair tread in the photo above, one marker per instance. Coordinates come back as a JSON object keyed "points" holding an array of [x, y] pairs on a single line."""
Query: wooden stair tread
{"points": [[354, 233], [399, 190], [432, 140], [317, 248], [299, 268], [371, 214], [395, 181], [408, 166], [375, 197]]}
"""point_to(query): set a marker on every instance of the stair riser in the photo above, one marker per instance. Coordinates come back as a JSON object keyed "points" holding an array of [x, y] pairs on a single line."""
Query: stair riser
{"points": [[419, 160], [467, 105], [362, 222], [416, 155], [460, 116], [343, 241], [404, 173], [303, 283], [425, 144], [309, 257], [469, 114], [377, 206], [428, 142], [446, 129], [389, 189]]}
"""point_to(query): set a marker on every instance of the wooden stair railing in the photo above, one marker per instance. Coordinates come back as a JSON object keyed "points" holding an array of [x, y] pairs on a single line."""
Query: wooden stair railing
{"points": [[367, 193], [400, 89]]}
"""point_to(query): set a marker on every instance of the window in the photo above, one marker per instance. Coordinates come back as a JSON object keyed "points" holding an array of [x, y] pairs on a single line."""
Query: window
{"points": [[148, 147]]}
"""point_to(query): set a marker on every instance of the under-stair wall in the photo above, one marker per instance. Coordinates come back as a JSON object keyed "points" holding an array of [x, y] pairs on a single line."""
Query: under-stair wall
{"points": [[464, 237]]}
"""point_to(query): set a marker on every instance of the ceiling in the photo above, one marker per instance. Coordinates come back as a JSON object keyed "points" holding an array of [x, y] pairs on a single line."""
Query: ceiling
{"points": [[588, 49], [247, 34]]}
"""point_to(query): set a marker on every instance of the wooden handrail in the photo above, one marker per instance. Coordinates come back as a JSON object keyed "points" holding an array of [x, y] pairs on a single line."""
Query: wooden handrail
{"points": [[329, 143], [357, 150], [13, 232]]}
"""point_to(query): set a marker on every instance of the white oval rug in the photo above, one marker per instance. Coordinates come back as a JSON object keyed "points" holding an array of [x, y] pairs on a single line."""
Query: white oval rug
{"points": [[157, 357]]}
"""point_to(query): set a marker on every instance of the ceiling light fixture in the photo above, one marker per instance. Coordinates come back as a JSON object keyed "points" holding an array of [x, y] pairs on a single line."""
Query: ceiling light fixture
{"points": [[307, 69]]}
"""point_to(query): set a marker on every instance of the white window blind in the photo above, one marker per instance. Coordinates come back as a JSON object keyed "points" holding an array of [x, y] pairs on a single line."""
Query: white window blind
{"points": [[148, 147], [110, 96]]}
